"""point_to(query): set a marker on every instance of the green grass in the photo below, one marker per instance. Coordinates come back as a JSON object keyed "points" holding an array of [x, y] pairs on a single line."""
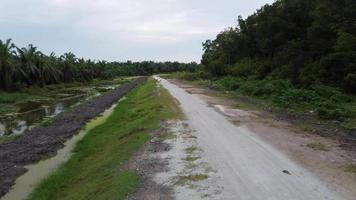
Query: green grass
{"points": [[191, 158], [9, 138], [191, 149], [318, 146], [184, 180], [168, 136], [93, 172], [351, 168]]}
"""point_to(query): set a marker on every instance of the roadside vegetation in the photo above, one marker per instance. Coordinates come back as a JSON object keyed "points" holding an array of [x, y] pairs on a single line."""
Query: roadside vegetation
{"points": [[293, 54], [94, 171], [323, 102]]}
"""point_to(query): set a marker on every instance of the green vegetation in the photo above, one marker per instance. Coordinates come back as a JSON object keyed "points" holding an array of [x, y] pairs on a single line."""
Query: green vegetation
{"points": [[318, 146], [293, 54], [325, 102], [305, 42], [94, 172], [27, 66], [170, 104], [167, 136], [191, 149], [9, 138], [184, 180], [34, 96], [351, 168], [191, 158]]}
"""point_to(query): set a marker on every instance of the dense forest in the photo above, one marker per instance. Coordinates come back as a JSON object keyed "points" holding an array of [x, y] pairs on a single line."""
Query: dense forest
{"points": [[21, 67], [306, 42]]}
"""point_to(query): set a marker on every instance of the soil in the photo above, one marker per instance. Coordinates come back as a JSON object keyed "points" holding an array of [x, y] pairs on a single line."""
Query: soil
{"points": [[282, 130], [43, 142], [147, 166], [165, 170]]}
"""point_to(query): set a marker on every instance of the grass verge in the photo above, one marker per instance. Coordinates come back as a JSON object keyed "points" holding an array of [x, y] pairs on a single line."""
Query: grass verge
{"points": [[93, 172]]}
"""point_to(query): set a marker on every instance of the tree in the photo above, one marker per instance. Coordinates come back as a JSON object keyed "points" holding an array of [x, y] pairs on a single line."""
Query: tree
{"points": [[7, 67]]}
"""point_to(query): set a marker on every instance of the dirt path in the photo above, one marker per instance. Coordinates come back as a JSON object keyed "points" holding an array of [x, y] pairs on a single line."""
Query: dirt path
{"points": [[243, 165], [43, 142]]}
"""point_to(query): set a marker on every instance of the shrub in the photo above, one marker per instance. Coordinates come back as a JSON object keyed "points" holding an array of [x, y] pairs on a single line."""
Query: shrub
{"points": [[229, 83], [350, 83], [329, 114]]}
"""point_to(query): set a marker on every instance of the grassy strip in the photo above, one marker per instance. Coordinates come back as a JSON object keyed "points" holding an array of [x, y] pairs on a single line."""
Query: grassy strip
{"points": [[93, 172]]}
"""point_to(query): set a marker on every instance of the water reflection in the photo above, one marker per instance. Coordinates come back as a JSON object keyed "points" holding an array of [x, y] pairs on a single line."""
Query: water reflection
{"points": [[2, 129], [58, 108], [20, 128], [18, 123], [34, 112]]}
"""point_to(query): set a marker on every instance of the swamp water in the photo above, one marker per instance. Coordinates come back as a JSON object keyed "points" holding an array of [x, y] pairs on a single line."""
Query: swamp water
{"points": [[37, 172], [32, 113]]}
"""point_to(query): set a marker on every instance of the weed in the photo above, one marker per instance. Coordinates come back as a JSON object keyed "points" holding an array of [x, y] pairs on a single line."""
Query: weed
{"points": [[167, 136], [318, 146], [191, 149], [184, 180], [351, 168], [4, 139], [191, 158]]}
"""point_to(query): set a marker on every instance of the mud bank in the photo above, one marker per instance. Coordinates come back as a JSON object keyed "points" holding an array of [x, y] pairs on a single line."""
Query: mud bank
{"points": [[43, 142]]}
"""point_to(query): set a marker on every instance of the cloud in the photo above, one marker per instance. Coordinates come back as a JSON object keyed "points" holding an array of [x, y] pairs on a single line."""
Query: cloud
{"points": [[95, 28]]}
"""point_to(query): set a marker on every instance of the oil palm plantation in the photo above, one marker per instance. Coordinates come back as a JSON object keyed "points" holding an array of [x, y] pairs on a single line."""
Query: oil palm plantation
{"points": [[28, 58], [7, 66]]}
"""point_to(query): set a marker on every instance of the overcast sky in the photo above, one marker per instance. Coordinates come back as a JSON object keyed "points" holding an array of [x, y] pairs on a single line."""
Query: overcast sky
{"points": [[120, 30]]}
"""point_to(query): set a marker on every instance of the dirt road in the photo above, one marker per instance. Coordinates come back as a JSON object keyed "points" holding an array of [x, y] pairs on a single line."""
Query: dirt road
{"points": [[249, 168]]}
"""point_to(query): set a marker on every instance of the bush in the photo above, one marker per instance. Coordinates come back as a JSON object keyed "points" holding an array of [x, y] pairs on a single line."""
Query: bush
{"points": [[229, 83], [191, 76], [350, 83], [244, 68], [331, 93], [329, 114]]}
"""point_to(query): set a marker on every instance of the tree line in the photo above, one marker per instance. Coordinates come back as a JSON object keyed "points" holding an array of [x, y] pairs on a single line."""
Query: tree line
{"points": [[306, 42], [27, 66]]}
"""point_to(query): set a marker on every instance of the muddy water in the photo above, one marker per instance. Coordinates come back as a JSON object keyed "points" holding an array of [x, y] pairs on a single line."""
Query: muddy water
{"points": [[25, 184], [32, 113]]}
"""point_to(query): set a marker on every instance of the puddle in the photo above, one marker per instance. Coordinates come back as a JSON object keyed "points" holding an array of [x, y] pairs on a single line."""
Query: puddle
{"points": [[31, 113], [26, 183], [18, 123]]}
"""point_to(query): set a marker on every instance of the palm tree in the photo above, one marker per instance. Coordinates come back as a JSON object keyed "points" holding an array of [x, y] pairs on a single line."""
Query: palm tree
{"points": [[48, 72], [28, 59], [7, 67], [69, 68], [51, 72]]}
